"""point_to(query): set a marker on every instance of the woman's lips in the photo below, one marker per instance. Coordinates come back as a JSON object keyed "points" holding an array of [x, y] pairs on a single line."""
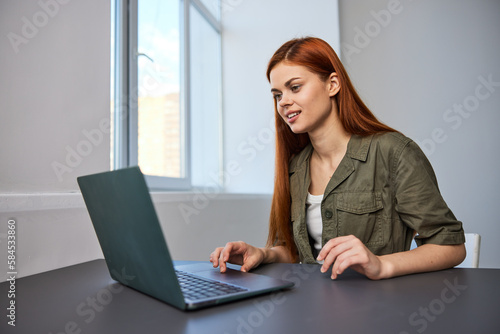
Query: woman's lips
{"points": [[292, 117]]}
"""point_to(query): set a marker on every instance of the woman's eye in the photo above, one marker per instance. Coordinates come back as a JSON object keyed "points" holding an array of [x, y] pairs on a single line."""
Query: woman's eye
{"points": [[277, 97], [295, 88]]}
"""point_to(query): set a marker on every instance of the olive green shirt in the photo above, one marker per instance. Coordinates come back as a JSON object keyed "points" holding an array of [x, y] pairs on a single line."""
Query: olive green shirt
{"points": [[383, 190]]}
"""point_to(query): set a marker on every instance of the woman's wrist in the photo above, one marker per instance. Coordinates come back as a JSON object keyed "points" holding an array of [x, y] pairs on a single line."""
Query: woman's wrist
{"points": [[386, 268], [267, 255], [275, 254]]}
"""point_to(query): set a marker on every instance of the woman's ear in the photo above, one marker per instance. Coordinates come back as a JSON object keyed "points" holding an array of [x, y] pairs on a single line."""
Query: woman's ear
{"points": [[334, 84]]}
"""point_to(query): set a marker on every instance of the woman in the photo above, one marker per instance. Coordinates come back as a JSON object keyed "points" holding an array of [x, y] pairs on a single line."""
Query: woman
{"points": [[349, 191]]}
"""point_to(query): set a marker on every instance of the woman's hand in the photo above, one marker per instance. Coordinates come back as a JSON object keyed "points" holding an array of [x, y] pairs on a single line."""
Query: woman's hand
{"points": [[348, 251], [239, 253]]}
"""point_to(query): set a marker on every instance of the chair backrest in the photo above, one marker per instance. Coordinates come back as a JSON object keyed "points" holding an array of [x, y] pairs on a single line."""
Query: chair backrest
{"points": [[472, 246]]}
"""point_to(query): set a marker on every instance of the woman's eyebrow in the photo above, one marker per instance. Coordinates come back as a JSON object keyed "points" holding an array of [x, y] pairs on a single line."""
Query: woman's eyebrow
{"points": [[287, 84]]}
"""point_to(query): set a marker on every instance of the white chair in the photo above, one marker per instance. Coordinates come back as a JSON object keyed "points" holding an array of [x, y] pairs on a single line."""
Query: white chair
{"points": [[472, 246]]}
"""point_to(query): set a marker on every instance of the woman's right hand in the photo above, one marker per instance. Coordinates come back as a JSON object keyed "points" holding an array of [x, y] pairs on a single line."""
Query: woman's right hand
{"points": [[240, 253]]}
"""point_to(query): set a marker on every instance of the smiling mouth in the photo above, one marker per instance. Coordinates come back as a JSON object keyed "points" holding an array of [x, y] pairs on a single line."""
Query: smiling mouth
{"points": [[292, 115]]}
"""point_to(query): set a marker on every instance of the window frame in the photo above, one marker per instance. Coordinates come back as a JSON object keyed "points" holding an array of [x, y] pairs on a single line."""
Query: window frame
{"points": [[125, 90]]}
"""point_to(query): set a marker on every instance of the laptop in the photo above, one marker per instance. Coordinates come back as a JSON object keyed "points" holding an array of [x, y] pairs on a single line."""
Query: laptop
{"points": [[136, 252]]}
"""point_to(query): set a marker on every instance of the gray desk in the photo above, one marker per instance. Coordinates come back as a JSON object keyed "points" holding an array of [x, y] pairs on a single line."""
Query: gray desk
{"points": [[84, 299]]}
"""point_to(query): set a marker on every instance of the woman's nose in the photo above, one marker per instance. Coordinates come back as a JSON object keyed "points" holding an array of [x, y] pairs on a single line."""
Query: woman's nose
{"points": [[285, 100]]}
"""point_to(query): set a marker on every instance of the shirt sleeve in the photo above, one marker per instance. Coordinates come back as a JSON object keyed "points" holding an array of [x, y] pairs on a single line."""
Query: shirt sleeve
{"points": [[419, 202]]}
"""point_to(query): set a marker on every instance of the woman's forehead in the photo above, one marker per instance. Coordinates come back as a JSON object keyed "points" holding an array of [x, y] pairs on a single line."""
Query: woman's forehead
{"points": [[283, 72]]}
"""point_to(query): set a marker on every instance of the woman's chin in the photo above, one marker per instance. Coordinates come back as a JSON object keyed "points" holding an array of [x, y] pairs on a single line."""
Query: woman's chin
{"points": [[297, 130]]}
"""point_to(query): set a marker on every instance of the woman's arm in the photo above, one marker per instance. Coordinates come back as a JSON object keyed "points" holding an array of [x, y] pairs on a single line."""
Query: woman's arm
{"points": [[348, 251], [428, 257]]}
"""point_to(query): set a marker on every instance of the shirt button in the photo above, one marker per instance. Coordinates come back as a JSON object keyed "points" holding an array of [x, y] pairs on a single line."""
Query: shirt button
{"points": [[328, 214]]}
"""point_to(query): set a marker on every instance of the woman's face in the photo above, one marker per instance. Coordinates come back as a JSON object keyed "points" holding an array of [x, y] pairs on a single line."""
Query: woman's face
{"points": [[303, 99]]}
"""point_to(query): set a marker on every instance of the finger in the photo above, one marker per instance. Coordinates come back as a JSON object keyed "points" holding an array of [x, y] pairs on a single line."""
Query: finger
{"points": [[214, 257], [356, 257], [332, 243], [230, 249], [222, 262], [333, 253], [235, 247], [248, 264], [328, 261], [333, 258], [344, 261]]}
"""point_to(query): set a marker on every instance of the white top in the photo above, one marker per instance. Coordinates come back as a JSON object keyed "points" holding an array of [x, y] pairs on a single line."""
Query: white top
{"points": [[313, 218]]}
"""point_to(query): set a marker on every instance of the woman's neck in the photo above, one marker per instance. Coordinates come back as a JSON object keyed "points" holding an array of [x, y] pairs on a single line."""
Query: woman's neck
{"points": [[330, 142]]}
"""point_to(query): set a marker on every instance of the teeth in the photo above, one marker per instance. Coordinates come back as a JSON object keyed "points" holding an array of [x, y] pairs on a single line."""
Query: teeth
{"points": [[293, 115]]}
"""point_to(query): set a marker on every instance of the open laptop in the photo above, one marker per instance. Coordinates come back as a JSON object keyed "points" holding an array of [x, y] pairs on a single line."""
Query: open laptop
{"points": [[136, 251]]}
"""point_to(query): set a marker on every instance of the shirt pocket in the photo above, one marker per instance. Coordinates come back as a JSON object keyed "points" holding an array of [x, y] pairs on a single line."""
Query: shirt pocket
{"points": [[359, 214]]}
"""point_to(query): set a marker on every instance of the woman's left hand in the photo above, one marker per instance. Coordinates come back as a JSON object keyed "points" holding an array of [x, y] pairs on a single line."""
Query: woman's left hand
{"points": [[348, 251]]}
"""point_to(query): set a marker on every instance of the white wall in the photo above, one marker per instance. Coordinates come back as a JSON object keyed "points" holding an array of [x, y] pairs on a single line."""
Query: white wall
{"points": [[54, 109], [253, 31], [415, 68], [54, 60]]}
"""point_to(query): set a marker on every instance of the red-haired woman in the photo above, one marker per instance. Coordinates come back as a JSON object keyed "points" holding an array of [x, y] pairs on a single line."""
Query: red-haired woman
{"points": [[349, 191]]}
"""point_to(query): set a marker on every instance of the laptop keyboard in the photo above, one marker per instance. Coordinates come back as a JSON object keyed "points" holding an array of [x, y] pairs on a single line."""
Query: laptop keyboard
{"points": [[194, 287]]}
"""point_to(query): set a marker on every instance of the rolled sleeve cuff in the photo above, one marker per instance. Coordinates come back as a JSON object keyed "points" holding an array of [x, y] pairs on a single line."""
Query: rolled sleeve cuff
{"points": [[442, 238]]}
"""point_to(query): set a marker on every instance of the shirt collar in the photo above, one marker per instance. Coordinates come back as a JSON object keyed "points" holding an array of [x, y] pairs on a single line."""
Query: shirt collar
{"points": [[358, 147], [299, 161]]}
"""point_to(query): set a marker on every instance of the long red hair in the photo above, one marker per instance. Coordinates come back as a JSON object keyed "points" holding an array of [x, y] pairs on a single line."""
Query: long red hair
{"points": [[320, 58]]}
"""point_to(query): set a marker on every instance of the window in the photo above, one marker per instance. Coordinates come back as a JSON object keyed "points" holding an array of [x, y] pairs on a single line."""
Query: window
{"points": [[167, 86]]}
